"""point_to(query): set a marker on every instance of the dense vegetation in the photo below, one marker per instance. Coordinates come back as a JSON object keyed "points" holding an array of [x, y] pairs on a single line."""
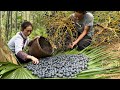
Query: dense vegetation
{"points": [[56, 26]]}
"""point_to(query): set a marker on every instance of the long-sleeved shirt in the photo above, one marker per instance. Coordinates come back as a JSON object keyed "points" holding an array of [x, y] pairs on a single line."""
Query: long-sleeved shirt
{"points": [[17, 43]]}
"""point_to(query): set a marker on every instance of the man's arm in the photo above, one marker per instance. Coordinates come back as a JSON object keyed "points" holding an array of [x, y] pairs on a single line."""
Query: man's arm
{"points": [[85, 31]]}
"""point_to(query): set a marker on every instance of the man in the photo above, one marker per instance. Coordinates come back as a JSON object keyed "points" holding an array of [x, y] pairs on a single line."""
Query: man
{"points": [[84, 23], [18, 42]]}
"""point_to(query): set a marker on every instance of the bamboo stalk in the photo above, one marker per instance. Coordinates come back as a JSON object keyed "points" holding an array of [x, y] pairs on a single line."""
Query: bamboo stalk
{"points": [[0, 22]]}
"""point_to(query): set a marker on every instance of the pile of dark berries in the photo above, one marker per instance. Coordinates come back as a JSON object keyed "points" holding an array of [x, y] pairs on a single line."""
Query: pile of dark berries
{"points": [[62, 66]]}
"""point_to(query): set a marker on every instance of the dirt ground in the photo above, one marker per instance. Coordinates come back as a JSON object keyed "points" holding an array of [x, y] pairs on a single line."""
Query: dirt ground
{"points": [[114, 48]]}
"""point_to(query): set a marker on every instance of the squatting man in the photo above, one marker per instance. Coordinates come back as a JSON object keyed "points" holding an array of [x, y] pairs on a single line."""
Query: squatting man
{"points": [[83, 21]]}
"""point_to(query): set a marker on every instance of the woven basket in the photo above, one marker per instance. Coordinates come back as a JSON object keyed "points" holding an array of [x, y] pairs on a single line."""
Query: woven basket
{"points": [[41, 47]]}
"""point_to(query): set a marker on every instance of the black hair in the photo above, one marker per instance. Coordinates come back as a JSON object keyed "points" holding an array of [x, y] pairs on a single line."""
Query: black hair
{"points": [[81, 12], [25, 24]]}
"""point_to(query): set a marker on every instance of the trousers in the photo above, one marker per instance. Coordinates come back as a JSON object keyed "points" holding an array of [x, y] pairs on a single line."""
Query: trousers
{"points": [[84, 42]]}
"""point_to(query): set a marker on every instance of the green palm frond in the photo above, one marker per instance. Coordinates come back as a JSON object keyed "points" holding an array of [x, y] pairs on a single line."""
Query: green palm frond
{"points": [[6, 67], [12, 71], [20, 73], [95, 72]]}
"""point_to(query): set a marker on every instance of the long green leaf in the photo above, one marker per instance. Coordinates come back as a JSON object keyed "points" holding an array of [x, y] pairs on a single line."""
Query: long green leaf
{"points": [[101, 58], [93, 51], [92, 72]]}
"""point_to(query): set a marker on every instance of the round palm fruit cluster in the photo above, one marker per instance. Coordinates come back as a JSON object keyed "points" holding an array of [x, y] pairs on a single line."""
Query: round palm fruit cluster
{"points": [[59, 66]]}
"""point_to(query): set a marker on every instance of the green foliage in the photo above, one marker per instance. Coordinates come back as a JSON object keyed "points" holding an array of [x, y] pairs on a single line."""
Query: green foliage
{"points": [[20, 73], [13, 71], [41, 31]]}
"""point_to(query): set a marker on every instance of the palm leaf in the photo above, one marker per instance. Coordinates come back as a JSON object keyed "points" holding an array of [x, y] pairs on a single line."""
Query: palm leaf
{"points": [[6, 67], [92, 73], [20, 73], [12, 71]]}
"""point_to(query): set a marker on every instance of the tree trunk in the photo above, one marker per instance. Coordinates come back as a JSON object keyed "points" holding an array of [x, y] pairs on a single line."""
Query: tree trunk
{"points": [[0, 23], [5, 53], [7, 24], [10, 24], [16, 21]]}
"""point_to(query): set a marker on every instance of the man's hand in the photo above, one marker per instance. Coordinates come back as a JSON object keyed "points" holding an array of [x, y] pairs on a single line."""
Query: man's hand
{"points": [[72, 45]]}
